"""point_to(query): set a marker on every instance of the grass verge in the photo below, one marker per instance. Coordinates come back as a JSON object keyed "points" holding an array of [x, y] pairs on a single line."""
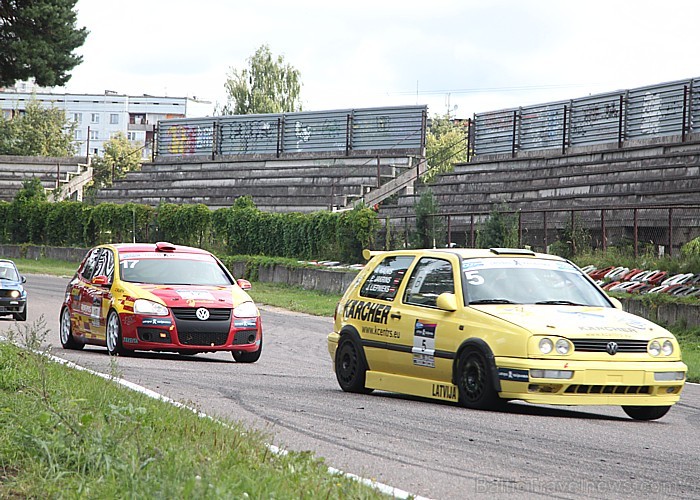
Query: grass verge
{"points": [[69, 434], [46, 266], [294, 298]]}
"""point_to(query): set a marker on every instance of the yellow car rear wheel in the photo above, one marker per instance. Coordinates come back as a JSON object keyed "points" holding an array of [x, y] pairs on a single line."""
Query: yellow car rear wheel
{"points": [[350, 366]]}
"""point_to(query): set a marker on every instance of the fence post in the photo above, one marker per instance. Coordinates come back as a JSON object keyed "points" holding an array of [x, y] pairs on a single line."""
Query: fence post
{"points": [[214, 128], [405, 228], [515, 116], [619, 126], [279, 136], [563, 132], [469, 138], [685, 111], [471, 232], [544, 225], [636, 232], [379, 172], [520, 228], [670, 232], [573, 233], [603, 230], [348, 135], [449, 231]]}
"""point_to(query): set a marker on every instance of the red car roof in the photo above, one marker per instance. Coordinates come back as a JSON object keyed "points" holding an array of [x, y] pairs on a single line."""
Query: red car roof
{"points": [[160, 246]]}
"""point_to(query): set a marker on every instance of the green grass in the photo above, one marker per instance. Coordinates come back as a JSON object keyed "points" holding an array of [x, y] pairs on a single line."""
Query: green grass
{"points": [[690, 348], [46, 266], [294, 298], [69, 434]]}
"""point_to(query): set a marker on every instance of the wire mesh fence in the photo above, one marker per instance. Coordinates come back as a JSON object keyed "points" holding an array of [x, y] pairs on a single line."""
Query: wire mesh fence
{"points": [[657, 230]]}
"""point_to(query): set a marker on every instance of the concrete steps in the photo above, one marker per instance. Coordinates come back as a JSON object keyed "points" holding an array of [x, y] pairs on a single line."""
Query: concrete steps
{"points": [[275, 185], [52, 172]]}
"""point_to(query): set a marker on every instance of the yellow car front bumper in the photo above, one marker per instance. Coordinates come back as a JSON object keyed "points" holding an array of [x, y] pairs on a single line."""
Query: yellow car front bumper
{"points": [[592, 382]]}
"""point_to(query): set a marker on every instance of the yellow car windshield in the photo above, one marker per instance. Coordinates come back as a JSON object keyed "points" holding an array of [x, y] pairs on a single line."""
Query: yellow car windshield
{"points": [[528, 281]]}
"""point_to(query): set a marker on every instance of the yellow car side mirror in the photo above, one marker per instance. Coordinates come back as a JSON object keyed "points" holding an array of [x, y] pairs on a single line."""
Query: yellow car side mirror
{"points": [[447, 301]]}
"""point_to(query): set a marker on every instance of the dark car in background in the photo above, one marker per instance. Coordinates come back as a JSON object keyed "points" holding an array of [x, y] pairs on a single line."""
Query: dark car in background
{"points": [[13, 297]]}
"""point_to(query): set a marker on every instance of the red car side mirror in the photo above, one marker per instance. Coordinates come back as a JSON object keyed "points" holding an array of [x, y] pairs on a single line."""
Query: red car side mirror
{"points": [[244, 284]]}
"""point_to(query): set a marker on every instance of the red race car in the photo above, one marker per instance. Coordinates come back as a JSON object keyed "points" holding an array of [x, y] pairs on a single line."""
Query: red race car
{"points": [[159, 297]]}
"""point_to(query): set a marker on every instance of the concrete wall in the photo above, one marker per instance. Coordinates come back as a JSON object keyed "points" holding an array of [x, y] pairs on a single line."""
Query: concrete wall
{"points": [[42, 252]]}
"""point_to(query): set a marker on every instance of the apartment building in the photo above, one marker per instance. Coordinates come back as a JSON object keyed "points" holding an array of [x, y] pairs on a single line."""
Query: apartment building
{"points": [[98, 117]]}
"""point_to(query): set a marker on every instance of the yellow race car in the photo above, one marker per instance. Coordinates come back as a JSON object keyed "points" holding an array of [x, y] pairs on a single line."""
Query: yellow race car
{"points": [[159, 297], [480, 327]]}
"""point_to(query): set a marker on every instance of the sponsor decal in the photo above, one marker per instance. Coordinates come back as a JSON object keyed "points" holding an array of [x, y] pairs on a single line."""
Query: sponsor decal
{"points": [[156, 321], [195, 294], [445, 391], [366, 311], [245, 323], [602, 329], [129, 340], [513, 374], [639, 325], [424, 344], [382, 332]]}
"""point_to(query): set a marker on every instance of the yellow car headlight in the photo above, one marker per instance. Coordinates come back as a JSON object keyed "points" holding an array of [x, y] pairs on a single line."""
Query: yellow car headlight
{"points": [[563, 346], [546, 346], [654, 348], [667, 348]]}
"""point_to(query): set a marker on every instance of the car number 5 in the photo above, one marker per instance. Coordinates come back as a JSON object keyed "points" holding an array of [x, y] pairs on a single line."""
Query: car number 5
{"points": [[474, 278]]}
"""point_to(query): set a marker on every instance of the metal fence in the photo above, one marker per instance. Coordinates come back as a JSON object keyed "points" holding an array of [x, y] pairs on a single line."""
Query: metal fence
{"points": [[659, 230], [671, 108], [340, 131]]}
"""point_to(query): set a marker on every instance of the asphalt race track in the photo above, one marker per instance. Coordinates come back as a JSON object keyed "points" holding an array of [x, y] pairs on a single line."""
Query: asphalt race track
{"points": [[430, 449]]}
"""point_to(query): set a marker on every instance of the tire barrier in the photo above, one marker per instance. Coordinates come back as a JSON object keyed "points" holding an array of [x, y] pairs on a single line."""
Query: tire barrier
{"points": [[643, 281]]}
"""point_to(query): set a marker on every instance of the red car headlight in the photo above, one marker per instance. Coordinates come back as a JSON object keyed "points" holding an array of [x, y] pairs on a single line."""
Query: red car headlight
{"points": [[143, 306]]}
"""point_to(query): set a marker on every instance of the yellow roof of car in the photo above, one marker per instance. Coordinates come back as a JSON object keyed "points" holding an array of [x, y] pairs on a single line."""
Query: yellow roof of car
{"points": [[467, 253]]}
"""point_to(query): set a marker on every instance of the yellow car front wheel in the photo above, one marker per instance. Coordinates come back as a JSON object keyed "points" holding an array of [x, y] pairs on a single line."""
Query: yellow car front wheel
{"points": [[476, 389], [646, 412]]}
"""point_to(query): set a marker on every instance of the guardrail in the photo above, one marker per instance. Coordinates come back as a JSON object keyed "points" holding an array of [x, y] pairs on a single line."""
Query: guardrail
{"points": [[671, 108]]}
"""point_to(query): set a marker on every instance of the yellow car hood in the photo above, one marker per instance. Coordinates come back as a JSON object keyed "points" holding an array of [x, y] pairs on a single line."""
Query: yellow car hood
{"points": [[576, 321]]}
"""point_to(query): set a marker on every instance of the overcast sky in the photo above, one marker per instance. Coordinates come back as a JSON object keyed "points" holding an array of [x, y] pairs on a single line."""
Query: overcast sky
{"points": [[470, 56]]}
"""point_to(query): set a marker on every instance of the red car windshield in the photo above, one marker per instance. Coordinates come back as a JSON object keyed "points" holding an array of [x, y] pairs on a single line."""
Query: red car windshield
{"points": [[172, 269]]}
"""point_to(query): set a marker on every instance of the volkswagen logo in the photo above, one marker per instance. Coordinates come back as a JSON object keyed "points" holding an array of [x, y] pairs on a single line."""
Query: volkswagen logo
{"points": [[203, 314], [611, 347]]}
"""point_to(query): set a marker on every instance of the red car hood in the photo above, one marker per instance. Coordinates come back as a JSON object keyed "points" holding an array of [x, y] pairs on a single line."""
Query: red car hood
{"points": [[197, 296]]}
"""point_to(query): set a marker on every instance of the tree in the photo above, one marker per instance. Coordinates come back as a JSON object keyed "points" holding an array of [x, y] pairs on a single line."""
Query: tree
{"points": [[38, 132], [429, 227], [446, 144], [37, 39], [119, 158], [266, 86], [32, 190]]}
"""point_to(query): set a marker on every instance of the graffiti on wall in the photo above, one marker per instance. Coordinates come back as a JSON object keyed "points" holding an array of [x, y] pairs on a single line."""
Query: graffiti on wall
{"points": [[187, 139]]}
